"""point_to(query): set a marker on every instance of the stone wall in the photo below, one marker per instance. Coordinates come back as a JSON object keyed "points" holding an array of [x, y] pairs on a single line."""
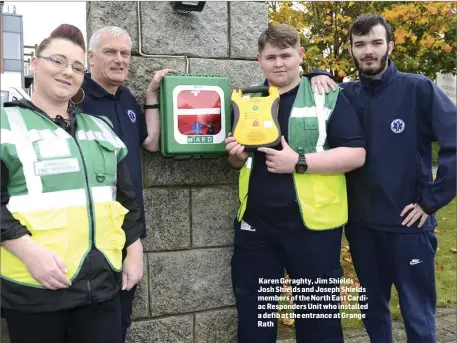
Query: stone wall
{"points": [[186, 294]]}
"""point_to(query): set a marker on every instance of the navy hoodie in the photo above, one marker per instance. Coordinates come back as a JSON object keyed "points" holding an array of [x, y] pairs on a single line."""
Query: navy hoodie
{"points": [[401, 115]]}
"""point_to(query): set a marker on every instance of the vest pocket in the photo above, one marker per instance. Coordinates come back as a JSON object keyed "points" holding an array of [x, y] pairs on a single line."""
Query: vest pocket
{"points": [[109, 235], [48, 228], [105, 162], [327, 189], [304, 133]]}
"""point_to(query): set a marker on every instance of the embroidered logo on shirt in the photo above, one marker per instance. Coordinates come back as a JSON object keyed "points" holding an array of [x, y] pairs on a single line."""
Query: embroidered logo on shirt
{"points": [[131, 115], [397, 126]]}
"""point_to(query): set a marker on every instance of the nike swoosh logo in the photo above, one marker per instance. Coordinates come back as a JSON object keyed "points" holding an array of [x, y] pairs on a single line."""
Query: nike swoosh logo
{"points": [[413, 262]]}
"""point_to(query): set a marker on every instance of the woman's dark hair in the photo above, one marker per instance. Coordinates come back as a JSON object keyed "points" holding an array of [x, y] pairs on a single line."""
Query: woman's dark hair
{"points": [[64, 31], [365, 22]]}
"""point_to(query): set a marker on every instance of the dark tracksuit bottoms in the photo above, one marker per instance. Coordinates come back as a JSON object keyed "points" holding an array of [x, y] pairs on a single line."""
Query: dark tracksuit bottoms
{"points": [[126, 306], [406, 260], [264, 253], [94, 323]]}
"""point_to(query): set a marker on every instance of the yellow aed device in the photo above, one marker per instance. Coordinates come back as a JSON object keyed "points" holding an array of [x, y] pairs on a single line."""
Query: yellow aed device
{"points": [[256, 117]]}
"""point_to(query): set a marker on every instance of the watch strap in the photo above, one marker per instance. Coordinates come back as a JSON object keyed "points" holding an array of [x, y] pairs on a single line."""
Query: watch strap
{"points": [[149, 106]]}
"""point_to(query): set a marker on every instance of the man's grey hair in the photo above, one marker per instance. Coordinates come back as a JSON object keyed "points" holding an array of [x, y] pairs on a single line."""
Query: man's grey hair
{"points": [[113, 30]]}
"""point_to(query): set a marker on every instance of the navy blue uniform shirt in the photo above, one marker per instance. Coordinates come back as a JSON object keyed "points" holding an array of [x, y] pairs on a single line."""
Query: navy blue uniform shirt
{"points": [[129, 123], [401, 115], [272, 196]]}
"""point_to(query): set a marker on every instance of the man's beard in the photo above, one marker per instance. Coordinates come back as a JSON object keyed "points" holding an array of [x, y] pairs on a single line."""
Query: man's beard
{"points": [[370, 71]]}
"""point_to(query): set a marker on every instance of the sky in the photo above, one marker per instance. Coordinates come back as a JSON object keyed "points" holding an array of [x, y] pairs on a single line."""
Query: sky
{"points": [[40, 18]]}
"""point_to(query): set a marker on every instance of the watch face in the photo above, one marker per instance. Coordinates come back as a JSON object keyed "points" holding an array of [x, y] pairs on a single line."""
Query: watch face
{"points": [[300, 168]]}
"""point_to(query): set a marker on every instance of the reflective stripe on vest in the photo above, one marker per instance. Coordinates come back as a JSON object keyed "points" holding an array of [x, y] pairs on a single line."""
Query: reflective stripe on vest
{"points": [[25, 151], [59, 219], [105, 134], [322, 198], [60, 199]]}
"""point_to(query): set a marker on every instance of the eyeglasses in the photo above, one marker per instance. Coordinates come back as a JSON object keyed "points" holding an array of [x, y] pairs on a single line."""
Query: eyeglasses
{"points": [[62, 63]]}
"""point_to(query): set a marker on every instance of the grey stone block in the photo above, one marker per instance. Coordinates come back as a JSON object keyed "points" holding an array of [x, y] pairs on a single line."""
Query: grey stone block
{"points": [[176, 329], [202, 34], [248, 19], [143, 68], [167, 219], [160, 171], [113, 13], [216, 326], [187, 281], [241, 73], [213, 212], [141, 300]]}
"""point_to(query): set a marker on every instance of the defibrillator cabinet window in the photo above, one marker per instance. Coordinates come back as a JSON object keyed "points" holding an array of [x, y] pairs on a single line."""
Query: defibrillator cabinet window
{"points": [[199, 112]]}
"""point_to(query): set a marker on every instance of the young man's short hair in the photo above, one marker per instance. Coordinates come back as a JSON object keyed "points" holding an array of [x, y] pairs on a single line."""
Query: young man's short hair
{"points": [[280, 36], [365, 22]]}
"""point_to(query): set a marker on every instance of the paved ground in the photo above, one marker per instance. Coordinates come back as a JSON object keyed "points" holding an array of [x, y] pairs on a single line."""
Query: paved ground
{"points": [[446, 330]]}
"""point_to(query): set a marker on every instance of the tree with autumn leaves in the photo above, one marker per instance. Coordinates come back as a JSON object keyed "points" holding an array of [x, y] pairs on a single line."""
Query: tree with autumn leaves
{"points": [[424, 33]]}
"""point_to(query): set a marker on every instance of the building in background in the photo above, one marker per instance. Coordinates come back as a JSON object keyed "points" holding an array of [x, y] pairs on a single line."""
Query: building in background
{"points": [[447, 82], [16, 76]]}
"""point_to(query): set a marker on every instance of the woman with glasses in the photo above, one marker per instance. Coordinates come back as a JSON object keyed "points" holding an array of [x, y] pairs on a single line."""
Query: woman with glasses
{"points": [[67, 209]]}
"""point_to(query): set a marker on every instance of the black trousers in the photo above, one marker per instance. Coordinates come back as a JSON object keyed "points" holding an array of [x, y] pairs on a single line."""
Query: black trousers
{"points": [[262, 252], [94, 323]]}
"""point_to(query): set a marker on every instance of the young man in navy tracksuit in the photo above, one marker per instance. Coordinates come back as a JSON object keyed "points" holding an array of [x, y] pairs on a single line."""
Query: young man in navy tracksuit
{"points": [[392, 198]]}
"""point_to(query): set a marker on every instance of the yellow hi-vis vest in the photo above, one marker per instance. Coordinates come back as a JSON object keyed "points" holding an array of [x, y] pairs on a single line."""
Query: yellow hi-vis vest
{"points": [[62, 189], [322, 198]]}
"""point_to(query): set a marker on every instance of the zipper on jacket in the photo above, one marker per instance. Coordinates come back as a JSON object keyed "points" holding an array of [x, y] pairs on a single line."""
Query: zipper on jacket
{"points": [[368, 141], [91, 217], [370, 110], [89, 289]]}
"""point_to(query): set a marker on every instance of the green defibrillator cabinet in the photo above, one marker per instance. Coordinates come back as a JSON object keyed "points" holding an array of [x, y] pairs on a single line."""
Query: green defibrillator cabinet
{"points": [[194, 115]]}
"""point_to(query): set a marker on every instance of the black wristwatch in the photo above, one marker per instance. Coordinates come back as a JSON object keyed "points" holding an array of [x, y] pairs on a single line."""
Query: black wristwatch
{"points": [[148, 106], [301, 167]]}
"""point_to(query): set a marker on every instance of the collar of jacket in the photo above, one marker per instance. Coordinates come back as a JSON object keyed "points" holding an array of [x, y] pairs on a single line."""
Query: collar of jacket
{"points": [[382, 82], [95, 89]]}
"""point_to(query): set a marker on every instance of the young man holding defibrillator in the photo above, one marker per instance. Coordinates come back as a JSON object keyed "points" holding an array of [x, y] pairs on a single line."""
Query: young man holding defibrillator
{"points": [[293, 200]]}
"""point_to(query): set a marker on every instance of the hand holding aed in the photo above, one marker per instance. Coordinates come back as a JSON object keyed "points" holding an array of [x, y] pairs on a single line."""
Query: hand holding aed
{"points": [[235, 149]]}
